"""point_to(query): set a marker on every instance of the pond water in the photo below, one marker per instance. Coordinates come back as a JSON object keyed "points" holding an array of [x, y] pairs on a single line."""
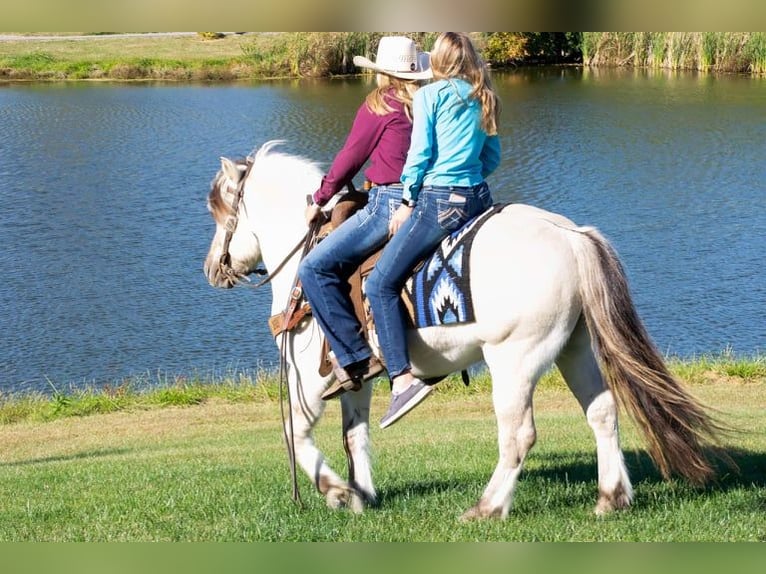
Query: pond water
{"points": [[103, 226]]}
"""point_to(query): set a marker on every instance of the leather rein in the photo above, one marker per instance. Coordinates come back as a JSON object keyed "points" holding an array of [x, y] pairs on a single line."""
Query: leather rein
{"points": [[224, 264]]}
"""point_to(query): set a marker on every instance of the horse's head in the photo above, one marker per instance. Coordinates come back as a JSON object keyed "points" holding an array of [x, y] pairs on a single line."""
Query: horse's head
{"points": [[258, 206], [234, 252]]}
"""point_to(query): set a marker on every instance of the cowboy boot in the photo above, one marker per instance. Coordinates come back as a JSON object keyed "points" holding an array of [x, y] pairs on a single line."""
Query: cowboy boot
{"points": [[350, 378]]}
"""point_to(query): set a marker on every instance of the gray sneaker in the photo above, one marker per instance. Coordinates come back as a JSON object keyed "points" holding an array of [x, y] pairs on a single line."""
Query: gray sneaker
{"points": [[405, 401]]}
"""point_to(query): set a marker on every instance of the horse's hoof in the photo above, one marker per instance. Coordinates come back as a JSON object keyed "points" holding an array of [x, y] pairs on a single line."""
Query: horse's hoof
{"points": [[608, 505], [338, 498], [471, 514], [357, 503], [333, 502], [481, 512], [368, 497]]}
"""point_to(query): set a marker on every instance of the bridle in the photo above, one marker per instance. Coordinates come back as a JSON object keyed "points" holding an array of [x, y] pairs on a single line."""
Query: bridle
{"points": [[230, 226]]}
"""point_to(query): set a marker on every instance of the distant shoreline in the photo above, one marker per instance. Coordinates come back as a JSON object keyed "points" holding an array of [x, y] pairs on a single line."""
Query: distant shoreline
{"points": [[230, 56]]}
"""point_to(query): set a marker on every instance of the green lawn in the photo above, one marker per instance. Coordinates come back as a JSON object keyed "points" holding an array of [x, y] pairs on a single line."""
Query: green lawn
{"points": [[110, 47], [216, 470], [127, 57]]}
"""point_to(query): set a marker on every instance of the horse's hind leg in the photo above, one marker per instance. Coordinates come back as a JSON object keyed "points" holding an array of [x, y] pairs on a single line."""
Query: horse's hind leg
{"points": [[513, 383], [581, 372]]}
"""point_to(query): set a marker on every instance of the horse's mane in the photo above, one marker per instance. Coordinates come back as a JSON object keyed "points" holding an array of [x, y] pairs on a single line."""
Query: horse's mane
{"points": [[268, 163], [269, 167]]}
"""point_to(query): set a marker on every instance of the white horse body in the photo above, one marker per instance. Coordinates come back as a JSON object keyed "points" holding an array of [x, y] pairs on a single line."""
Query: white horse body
{"points": [[540, 289]]}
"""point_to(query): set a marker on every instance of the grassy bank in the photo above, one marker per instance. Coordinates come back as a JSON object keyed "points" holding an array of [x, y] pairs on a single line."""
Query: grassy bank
{"points": [[212, 467], [743, 52], [151, 392], [118, 57], [197, 57]]}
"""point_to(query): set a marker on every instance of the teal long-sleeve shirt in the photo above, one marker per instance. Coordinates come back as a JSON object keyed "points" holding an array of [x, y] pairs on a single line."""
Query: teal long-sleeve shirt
{"points": [[448, 146]]}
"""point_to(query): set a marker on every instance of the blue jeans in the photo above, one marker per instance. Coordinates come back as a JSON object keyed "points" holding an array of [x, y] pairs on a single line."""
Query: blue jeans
{"points": [[325, 270], [440, 210]]}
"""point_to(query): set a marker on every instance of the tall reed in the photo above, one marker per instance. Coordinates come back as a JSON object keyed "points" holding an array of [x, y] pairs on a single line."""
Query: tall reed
{"points": [[704, 51], [755, 48], [658, 46], [320, 54]]}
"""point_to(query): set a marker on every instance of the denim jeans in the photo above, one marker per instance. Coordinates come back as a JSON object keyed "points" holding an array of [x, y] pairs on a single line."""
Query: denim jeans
{"points": [[440, 210], [325, 270]]}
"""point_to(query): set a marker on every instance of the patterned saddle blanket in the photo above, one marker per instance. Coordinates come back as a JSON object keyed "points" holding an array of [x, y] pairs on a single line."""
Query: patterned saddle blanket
{"points": [[438, 293]]}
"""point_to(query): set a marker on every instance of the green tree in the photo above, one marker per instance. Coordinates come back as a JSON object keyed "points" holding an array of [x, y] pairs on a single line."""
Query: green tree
{"points": [[503, 48]]}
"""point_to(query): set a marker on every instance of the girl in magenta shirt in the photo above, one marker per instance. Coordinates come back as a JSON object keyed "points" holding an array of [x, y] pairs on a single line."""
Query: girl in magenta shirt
{"points": [[380, 134]]}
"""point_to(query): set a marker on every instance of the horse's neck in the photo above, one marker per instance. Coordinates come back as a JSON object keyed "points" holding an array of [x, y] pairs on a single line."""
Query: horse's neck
{"points": [[282, 228], [275, 195]]}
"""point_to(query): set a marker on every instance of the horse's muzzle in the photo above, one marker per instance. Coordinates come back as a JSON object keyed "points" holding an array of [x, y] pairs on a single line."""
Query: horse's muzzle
{"points": [[219, 278]]}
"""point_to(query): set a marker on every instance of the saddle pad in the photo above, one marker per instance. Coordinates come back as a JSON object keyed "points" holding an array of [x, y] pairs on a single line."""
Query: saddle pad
{"points": [[438, 293]]}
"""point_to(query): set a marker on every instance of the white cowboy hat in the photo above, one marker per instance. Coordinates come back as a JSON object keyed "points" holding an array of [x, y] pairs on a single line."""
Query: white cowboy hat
{"points": [[397, 56]]}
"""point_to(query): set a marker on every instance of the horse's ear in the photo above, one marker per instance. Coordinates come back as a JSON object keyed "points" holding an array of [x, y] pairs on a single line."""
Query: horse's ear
{"points": [[232, 170]]}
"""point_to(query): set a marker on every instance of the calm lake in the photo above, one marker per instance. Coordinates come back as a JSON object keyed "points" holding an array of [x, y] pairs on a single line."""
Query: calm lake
{"points": [[103, 225]]}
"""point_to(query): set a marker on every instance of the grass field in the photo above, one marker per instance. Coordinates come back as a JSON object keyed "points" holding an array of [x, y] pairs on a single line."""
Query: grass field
{"points": [[126, 57], [216, 470], [110, 47], [258, 55]]}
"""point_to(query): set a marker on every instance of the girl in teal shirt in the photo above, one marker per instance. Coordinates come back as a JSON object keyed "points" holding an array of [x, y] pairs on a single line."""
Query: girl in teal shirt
{"points": [[454, 146]]}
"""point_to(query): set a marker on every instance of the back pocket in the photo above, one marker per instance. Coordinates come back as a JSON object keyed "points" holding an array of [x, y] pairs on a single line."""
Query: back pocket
{"points": [[452, 212]]}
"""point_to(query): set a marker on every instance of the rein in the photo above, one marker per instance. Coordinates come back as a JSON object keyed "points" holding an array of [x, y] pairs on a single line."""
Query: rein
{"points": [[224, 264], [295, 295], [303, 242]]}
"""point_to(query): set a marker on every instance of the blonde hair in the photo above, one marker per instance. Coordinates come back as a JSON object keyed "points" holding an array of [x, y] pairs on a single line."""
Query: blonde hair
{"points": [[395, 88], [455, 56]]}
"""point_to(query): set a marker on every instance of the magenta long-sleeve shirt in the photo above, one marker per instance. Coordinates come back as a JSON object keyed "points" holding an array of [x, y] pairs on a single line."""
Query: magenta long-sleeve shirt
{"points": [[383, 140]]}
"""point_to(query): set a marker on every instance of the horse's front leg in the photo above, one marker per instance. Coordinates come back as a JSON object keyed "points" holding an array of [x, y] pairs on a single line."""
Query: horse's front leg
{"points": [[307, 407], [355, 407]]}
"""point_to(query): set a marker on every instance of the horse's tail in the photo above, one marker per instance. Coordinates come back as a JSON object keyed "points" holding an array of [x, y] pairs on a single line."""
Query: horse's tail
{"points": [[676, 427]]}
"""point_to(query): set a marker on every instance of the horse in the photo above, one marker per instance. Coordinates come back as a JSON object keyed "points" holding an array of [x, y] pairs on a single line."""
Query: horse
{"points": [[565, 301]]}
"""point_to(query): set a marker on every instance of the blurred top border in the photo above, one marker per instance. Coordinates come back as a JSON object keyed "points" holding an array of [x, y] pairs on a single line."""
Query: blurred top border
{"points": [[377, 15]]}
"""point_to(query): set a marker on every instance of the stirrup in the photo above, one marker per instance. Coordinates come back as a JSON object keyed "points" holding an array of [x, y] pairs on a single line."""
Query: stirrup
{"points": [[345, 381], [337, 388]]}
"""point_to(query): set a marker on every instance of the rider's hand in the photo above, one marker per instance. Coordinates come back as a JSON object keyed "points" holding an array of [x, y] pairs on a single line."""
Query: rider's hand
{"points": [[312, 212], [400, 216]]}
